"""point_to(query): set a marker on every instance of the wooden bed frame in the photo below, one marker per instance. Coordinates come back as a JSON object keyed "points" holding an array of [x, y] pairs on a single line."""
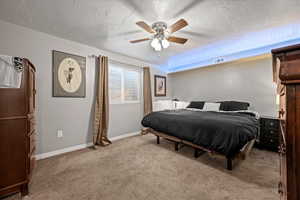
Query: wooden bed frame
{"points": [[198, 149]]}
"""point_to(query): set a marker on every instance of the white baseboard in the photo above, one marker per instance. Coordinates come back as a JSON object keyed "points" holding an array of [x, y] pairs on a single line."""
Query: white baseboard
{"points": [[124, 136], [80, 146], [61, 151]]}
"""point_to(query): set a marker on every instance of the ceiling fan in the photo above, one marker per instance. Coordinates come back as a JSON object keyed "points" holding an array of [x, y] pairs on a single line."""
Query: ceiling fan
{"points": [[161, 34]]}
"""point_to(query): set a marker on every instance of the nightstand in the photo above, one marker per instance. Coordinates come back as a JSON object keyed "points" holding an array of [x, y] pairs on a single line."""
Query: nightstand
{"points": [[269, 133]]}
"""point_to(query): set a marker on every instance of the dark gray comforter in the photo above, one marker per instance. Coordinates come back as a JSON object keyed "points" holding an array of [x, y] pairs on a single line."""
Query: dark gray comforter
{"points": [[222, 132]]}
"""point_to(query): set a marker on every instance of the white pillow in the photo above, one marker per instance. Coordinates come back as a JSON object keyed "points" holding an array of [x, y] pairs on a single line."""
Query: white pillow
{"points": [[211, 106], [181, 104], [162, 105]]}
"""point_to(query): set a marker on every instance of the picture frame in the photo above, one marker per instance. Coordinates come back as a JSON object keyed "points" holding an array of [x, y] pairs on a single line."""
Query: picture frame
{"points": [[68, 75], [160, 86]]}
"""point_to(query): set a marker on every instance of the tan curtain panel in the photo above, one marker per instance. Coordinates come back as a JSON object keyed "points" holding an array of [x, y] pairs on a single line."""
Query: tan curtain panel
{"points": [[101, 104], [147, 91]]}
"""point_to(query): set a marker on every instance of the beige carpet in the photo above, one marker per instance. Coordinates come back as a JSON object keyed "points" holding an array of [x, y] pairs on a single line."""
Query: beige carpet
{"points": [[138, 169]]}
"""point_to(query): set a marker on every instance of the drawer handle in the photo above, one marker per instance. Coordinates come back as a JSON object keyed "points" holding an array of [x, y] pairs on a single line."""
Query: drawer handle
{"points": [[282, 126], [280, 189], [282, 149], [281, 112]]}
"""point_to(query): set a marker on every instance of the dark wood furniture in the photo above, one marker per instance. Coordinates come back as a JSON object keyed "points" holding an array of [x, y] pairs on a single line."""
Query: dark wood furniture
{"points": [[17, 134], [269, 133], [286, 68], [198, 149]]}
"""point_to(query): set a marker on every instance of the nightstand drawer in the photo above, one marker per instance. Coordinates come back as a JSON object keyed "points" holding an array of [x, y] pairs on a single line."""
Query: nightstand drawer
{"points": [[271, 123], [269, 140], [269, 132]]}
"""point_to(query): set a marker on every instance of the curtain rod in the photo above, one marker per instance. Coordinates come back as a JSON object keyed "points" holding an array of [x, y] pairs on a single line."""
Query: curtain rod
{"points": [[94, 56]]}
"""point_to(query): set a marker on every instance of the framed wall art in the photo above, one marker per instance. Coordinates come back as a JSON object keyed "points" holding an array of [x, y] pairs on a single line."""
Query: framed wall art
{"points": [[69, 75], [160, 86]]}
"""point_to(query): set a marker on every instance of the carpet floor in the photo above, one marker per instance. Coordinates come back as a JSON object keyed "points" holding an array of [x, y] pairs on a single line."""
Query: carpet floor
{"points": [[137, 168]]}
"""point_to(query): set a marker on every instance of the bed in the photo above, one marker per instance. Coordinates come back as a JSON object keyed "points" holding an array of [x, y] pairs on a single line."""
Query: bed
{"points": [[230, 133]]}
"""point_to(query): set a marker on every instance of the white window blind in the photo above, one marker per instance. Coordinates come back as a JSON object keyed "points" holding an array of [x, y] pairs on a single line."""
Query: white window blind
{"points": [[131, 83], [124, 84], [115, 84]]}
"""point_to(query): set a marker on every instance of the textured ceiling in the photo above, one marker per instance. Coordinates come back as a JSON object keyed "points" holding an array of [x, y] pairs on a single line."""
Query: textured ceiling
{"points": [[110, 24]]}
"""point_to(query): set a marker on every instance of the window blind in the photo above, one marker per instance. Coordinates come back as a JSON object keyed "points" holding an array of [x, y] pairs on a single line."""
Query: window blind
{"points": [[124, 84]]}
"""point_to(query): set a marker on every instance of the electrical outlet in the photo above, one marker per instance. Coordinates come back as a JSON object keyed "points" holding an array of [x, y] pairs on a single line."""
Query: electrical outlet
{"points": [[60, 134]]}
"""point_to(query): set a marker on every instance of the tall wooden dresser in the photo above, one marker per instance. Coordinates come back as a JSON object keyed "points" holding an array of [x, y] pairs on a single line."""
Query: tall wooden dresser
{"points": [[286, 68], [17, 134]]}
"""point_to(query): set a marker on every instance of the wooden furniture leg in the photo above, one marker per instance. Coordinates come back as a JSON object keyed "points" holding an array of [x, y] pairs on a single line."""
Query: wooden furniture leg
{"points": [[198, 153], [24, 190], [176, 146], [229, 164], [157, 139]]}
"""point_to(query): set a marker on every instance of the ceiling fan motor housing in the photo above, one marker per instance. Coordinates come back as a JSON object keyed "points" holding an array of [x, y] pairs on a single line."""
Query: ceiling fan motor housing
{"points": [[159, 28]]}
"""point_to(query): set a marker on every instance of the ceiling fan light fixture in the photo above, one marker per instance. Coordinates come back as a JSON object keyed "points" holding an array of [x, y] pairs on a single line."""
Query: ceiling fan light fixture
{"points": [[165, 43], [159, 44]]}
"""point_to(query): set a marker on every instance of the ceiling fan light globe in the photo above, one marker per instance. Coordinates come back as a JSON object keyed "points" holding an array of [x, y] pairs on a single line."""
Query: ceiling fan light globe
{"points": [[155, 43], [165, 43], [158, 48]]}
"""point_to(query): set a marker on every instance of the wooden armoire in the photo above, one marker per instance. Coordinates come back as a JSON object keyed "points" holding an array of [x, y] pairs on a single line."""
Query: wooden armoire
{"points": [[17, 133], [286, 68]]}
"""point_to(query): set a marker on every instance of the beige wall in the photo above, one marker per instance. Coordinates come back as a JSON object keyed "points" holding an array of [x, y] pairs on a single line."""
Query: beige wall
{"points": [[248, 80]]}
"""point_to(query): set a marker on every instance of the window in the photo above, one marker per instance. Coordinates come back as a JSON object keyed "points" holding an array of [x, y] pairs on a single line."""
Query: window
{"points": [[124, 84]]}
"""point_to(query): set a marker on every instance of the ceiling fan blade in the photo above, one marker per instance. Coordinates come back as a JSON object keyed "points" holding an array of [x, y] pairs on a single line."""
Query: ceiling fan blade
{"points": [[140, 40], [145, 26], [178, 25], [177, 40]]}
